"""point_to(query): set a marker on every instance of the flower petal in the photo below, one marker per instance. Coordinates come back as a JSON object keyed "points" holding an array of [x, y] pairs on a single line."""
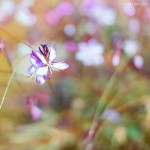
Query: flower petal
{"points": [[42, 71], [112, 115], [40, 79], [35, 112], [38, 57], [35, 62], [44, 51], [52, 53], [31, 70], [59, 66]]}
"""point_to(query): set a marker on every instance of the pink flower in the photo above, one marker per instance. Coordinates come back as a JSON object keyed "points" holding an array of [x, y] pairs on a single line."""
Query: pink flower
{"points": [[53, 16], [116, 57], [71, 46], [42, 63], [34, 110], [2, 45]]}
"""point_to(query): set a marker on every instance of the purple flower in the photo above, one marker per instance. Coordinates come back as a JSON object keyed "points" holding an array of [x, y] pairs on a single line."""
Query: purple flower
{"points": [[112, 115], [42, 63]]}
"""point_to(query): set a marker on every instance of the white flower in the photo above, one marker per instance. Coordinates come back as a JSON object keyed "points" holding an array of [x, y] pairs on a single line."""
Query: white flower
{"points": [[90, 53], [138, 61], [131, 47], [100, 12], [42, 63]]}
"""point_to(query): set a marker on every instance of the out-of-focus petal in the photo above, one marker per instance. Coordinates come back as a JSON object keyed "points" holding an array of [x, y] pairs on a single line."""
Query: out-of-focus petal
{"points": [[116, 59], [2, 45], [52, 53], [112, 115], [42, 71], [35, 112], [138, 61], [31, 70], [59, 66], [40, 79]]}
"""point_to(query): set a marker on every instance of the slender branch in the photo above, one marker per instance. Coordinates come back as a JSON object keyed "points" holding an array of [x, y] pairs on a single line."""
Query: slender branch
{"points": [[102, 104], [10, 79], [14, 37], [9, 72], [8, 85]]}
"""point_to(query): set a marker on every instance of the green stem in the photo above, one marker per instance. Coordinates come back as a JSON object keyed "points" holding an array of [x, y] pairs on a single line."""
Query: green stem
{"points": [[102, 104]]}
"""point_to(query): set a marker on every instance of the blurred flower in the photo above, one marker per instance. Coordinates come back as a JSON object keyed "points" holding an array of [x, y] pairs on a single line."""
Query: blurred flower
{"points": [[69, 29], [120, 134], [42, 64], [116, 58], [131, 47], [98, 14], [147, 14], [7, 9], [35, 112], [43, 98], [24, 15], [117, 46], [53, 16], [2, 45], [134, 25], [33, 109], [111, 115], [90, 53], [97, 10], [138, 61], [129, 10], [65, 8], [71, 46]]}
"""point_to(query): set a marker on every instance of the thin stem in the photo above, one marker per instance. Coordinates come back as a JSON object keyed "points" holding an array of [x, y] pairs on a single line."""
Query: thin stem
{"points": [[114, 98], [9, 72], [131, 103], [11, 35], [10, 79], [51, 87], [102, 104], [8, 85]]}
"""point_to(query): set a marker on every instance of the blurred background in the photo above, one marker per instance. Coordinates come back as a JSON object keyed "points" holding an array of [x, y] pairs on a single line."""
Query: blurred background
{"points": [[107, 46]]}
